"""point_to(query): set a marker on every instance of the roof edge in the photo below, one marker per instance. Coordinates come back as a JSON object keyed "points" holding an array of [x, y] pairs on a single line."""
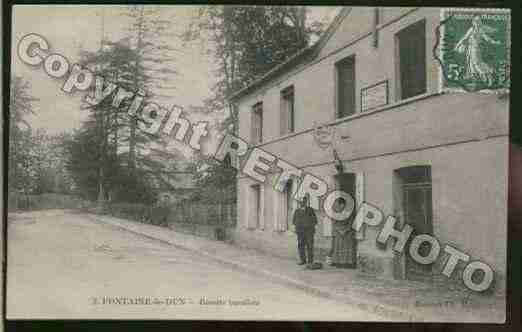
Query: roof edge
{"points": [[332, 28]]}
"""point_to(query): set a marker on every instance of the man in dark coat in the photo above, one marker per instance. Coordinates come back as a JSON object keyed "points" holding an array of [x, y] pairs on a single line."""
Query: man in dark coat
{"points": [[304, 221]]}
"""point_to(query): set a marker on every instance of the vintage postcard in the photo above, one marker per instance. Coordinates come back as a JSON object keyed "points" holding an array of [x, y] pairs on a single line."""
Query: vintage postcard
{"points": [[230, 162]]}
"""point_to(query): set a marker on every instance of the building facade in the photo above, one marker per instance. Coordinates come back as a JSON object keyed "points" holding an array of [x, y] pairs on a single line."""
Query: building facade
{"points": [[437, 161]]}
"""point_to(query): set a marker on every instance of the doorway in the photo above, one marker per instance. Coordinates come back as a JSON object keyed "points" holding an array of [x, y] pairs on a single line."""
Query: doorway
{"points": [[413, 203], [347, 182]]}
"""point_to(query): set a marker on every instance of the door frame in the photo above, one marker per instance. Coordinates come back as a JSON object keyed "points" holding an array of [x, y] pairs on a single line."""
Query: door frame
{"points": [[399, 259], [354, 194]]}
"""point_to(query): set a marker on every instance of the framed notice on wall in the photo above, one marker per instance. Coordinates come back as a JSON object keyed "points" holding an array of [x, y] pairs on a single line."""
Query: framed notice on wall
{"points": [[374, 96]]}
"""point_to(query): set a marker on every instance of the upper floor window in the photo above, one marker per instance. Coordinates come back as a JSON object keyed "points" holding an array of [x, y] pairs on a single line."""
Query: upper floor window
{"points": [[376, 22], [287, 111], [345, 87], [257, 123], [412, 60]]}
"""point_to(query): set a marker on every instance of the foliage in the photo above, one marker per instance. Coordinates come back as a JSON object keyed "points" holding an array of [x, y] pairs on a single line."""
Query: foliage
{"points": [[108, 155], [245, 42], [20, 140], [248, 41], [191, 213], [215, 181], [151, 32], [45, 201], [36, 159], [155, 61], [49, 158], [93, 154], [133, 211]]}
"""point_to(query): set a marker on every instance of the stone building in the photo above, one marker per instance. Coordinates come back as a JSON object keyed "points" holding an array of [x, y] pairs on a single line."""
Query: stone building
{"points": [[437, 161]]}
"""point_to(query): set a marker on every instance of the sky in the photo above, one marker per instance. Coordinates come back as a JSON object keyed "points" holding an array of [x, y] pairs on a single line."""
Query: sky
{"points": [[69, 28]]}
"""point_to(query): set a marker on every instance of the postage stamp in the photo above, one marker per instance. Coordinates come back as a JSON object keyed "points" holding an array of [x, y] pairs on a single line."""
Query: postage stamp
{"points": [[474, 50]]}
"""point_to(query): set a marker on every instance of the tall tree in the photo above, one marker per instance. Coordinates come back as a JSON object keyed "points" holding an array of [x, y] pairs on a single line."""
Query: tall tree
{"points": [[109, 128], [106, 123], [152, 33], [35, 158], [49, 160], [248, 41], [112, 141], [245, 42]]}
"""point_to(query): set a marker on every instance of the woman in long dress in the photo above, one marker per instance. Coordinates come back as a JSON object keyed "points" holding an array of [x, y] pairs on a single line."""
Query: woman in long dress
{"points": [[470, 44], [343, 251]]}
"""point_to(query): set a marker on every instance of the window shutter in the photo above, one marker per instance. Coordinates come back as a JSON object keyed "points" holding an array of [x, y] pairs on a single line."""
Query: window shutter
{"points": [[276, 198], [359, 199], [255, 207], [327, 222], [282, 213], [257, 123], [346, 87], [283, 106], [290, 216], [253, 124], [291, 111], [412, 53], [287, 205], [376, 22], [261, 206], [260, 124], [293, 206], [250, 203]]}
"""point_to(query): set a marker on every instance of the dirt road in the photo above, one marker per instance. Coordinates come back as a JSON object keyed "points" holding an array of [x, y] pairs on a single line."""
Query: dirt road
{"points": [[63, 264]]}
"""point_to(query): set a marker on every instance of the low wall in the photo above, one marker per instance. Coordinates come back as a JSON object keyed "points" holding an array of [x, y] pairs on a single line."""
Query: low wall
{"points": [[213, 221], [45, 201], [203, 213], [220, 233]]}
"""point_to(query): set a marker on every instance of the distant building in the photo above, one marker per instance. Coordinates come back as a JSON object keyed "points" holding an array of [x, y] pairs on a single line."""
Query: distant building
{"points": [[437, 161], [181, 187], [175, 182]]}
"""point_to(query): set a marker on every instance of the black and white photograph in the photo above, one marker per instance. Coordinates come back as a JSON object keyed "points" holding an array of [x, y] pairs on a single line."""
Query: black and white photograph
{"points": [[258, 162]]}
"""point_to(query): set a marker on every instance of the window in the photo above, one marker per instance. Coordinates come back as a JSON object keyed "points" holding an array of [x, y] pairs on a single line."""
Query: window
{"points": [[376, 22], [287, 111], [377, 15], [411, 43], [257, 123], [256, 206], [345, 87]]}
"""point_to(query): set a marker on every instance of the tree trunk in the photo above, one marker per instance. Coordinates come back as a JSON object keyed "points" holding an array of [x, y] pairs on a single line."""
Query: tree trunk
{"points": [[132, 146], [101, 175]]}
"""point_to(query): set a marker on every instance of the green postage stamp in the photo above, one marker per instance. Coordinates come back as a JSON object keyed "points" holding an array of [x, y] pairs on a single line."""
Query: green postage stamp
{"points": [[475, 49]]}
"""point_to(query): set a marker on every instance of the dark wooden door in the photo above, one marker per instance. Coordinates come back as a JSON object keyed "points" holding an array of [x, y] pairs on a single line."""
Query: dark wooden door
{"points": [[347, 183], [417, 207]]}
